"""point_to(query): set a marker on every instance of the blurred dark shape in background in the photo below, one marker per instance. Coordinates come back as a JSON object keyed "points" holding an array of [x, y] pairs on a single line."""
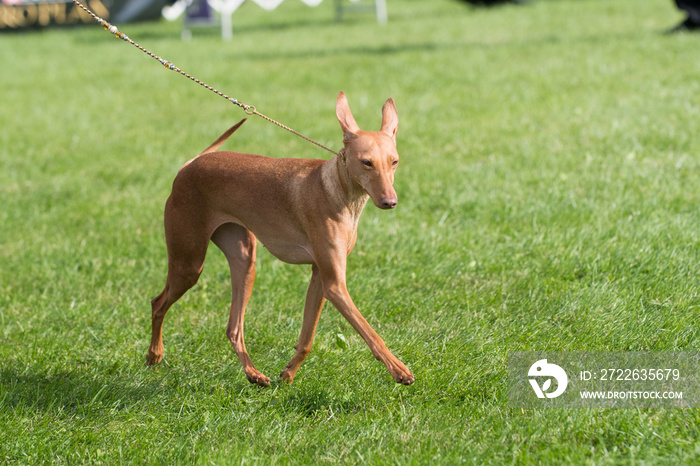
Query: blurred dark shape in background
{"points": [[692, 22], [491, 2], [130, 11], [25, 14]]}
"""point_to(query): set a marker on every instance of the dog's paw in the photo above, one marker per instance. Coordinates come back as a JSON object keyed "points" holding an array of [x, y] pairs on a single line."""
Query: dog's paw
{"points": [[405, 379], [258, 378], [400, 372], [153, 359], [287, 376]]}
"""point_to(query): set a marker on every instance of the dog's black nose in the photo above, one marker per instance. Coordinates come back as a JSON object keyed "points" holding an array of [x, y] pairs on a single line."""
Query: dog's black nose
{"points": [[389, 203]]}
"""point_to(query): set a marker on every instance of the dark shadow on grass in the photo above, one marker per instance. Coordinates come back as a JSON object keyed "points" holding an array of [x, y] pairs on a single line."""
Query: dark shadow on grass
{"points": [[73, 391], [381, 50], [311, 23], [385, 49], [317, 401]]}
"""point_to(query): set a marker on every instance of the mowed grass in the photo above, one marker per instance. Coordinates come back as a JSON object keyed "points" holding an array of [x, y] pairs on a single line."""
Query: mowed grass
{"points": [[548, 200]]}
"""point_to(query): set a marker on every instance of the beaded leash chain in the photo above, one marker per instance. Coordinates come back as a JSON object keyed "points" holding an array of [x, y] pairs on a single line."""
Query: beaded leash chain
{"points": [[249, 109]]}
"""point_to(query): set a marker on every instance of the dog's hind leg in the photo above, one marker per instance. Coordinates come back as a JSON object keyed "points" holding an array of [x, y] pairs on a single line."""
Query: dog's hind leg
{"points": [[186, 253], [312, 311], [238, 245]]}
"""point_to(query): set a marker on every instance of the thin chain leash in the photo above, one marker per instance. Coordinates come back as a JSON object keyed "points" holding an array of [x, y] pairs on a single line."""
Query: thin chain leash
{"points": [[249, 109]]}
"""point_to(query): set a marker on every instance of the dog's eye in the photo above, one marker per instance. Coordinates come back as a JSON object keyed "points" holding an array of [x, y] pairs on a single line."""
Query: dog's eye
{"points": [[366, 163]]}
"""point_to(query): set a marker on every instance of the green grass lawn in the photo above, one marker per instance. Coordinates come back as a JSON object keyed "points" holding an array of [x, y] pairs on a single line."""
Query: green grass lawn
{"points": [[548, 200]]}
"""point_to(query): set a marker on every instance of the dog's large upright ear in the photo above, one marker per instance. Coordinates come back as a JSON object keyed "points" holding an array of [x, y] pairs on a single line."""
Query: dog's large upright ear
{"points": [[347, 121], [390, 119]]}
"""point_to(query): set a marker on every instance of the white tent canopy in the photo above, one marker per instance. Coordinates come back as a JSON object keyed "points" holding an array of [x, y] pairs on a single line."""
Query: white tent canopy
{"points": [[226, 8]]}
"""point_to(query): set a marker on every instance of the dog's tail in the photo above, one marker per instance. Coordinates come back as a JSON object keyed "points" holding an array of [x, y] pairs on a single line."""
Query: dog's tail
{"points": [[223, 137], [218, 142]]}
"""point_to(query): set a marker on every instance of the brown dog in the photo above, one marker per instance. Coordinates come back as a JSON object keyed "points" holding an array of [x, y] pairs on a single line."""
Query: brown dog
{"points": [[304, 211]]}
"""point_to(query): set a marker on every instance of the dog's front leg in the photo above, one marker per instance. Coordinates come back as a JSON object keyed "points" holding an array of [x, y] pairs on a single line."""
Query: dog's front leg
{"points": [[312, 311], [335, 289]]}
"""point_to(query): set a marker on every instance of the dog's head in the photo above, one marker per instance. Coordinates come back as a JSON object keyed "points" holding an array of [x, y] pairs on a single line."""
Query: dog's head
{"points": [[370, 156]]}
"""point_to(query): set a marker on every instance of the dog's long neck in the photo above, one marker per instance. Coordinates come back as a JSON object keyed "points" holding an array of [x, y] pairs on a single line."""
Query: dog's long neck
{"points": [[344, 192]]}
